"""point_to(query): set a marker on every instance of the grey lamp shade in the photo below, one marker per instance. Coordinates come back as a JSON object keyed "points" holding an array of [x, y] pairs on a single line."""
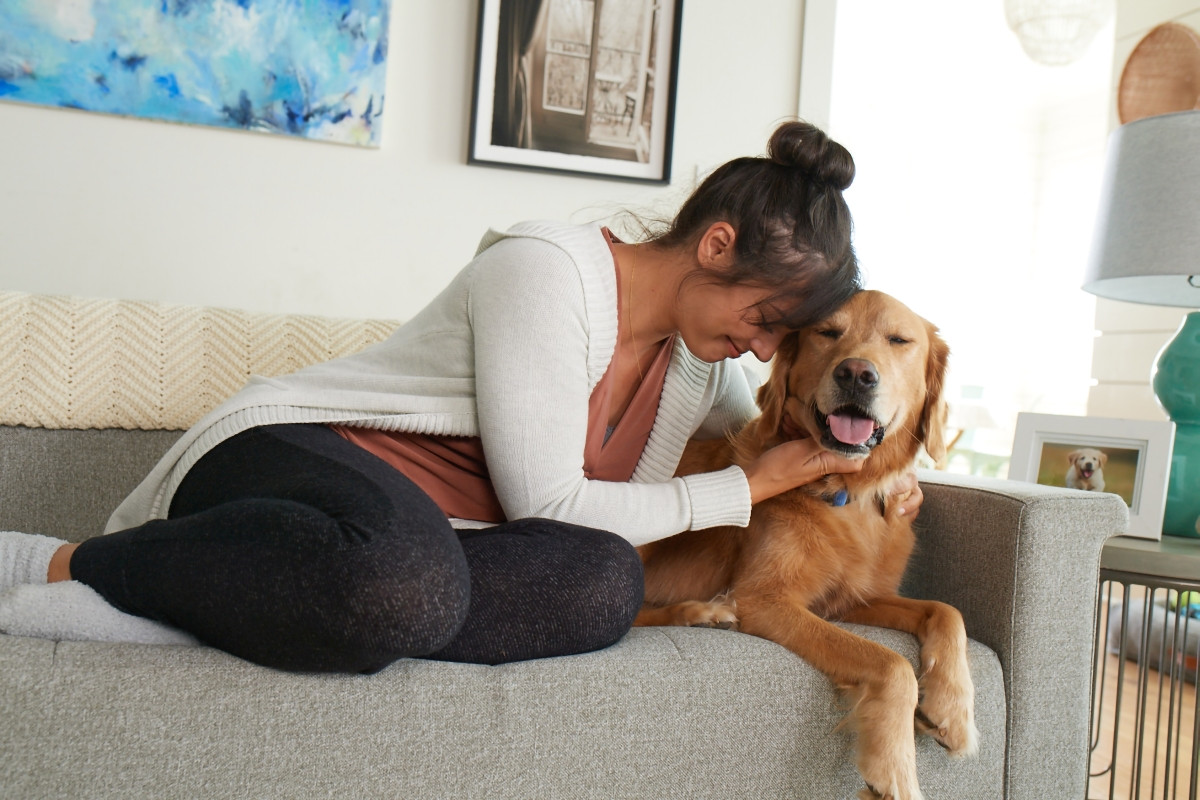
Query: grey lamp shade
{"points": [[1146, 246]]}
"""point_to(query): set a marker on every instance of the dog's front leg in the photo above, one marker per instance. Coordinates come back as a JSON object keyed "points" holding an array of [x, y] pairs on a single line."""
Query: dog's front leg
{"points": [[947, 705], [880, 682]]}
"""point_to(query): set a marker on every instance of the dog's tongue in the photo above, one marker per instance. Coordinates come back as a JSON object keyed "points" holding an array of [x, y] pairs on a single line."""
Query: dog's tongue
{"points": [[849, 429]]}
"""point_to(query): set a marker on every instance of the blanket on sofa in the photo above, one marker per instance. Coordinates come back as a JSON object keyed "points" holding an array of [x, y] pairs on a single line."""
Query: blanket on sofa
{"points": [[78, 363]]}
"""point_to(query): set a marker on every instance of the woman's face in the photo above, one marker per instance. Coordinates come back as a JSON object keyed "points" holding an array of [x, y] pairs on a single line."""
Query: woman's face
{"points": [[719, 322]]}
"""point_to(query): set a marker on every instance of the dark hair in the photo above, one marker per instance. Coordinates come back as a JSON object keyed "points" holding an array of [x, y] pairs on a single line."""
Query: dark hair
{"points": [[793, 226]]}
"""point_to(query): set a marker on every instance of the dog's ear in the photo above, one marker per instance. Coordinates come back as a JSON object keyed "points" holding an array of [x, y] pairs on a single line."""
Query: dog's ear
{"points": [[773, 394], [1074, 454], [1103, 458], [935, 413]]}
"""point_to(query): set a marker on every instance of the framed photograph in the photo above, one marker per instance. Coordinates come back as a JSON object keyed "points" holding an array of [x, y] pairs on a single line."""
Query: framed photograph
{"points": [[1130, 458], [576, 86]]}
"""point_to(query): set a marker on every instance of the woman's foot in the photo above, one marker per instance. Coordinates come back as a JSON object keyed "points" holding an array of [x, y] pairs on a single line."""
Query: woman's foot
{"points": [[60, 563], [25, 558]]}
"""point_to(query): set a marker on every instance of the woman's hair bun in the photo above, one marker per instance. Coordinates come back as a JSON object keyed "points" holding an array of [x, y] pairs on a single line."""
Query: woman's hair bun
{"points": [[807, 148]]}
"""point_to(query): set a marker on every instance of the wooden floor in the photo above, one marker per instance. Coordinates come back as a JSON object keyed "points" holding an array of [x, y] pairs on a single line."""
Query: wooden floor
{"points": [[1164, 743]]}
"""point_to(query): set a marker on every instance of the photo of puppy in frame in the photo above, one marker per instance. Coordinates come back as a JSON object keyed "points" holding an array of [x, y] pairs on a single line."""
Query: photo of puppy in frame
{"points": [[1129, 458], [1085, 469], [1092, 469]]}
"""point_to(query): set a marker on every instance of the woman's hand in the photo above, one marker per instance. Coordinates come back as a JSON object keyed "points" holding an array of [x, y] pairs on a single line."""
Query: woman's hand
{"points": [[906, 497], [793, 464]]}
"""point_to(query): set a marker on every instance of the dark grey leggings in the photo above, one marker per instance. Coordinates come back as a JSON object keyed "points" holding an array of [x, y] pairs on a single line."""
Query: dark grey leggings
{"points": [[291, 547]]}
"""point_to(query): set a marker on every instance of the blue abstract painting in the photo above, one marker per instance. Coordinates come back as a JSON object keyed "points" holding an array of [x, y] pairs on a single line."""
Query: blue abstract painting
{"points": [[307, 68]]}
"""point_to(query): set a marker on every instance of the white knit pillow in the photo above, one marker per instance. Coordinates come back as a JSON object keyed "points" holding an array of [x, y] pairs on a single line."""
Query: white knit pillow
{"points": [[69, 362]]}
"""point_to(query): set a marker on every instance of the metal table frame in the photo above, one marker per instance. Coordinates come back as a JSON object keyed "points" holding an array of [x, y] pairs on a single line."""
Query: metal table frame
{"points": [[1159, 742]]}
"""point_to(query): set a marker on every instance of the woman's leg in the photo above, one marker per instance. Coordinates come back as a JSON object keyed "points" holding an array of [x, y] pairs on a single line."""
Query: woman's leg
{"points": [[292, 548], [541, 588], [330, 559]]}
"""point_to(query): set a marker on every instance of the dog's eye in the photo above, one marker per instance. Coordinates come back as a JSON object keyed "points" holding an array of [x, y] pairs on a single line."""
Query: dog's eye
{"points": [[899, 340], [830, 333]]}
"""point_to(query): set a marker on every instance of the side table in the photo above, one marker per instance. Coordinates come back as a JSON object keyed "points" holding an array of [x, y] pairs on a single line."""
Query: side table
{"points": [[1145, 723]]}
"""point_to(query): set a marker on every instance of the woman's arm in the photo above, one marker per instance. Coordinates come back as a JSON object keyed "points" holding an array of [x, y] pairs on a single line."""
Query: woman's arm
{"points": [[532, 339]]}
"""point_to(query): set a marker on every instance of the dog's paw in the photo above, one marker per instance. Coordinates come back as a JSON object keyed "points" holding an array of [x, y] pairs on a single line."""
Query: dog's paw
{"points": [[871, 793], [888, 769], [720, 612], [959, 736], [948, 716], [946, 697]]}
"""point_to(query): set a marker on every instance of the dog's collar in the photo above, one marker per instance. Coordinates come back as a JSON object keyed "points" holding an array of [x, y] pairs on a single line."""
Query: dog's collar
{"points": [[838, 498], [831, 489]]}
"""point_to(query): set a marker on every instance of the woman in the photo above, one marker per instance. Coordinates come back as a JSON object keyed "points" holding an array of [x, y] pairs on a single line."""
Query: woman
{"points": [[472, 488]]}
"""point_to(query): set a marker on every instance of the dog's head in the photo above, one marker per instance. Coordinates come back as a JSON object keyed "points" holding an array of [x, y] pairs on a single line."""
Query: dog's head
{"points": [[866, 379], [1087, 461]]}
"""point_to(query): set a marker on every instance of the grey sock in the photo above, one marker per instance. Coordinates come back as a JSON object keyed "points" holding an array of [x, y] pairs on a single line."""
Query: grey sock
{"points": [[73, 611], [25, 557]]}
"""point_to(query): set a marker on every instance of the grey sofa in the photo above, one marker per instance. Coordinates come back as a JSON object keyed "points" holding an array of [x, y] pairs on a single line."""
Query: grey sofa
{"points": [[665, 713]]}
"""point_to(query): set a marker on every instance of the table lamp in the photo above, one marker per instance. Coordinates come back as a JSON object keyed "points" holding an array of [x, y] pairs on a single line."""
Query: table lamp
{"points": [[1146, 249]]}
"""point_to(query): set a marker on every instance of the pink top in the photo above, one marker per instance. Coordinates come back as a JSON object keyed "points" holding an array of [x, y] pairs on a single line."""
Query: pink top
{"points": [[453, 471]]}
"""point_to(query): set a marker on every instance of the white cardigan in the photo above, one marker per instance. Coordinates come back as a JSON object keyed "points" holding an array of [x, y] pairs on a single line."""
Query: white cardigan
{"points": [[510, 352]]}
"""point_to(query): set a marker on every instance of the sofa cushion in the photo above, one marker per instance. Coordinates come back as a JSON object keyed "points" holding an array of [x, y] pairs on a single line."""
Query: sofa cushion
{"points": [[664, 713]]}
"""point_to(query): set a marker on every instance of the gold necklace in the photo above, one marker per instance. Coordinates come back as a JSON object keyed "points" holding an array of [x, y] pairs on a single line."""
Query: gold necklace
{"points": [[637, 355]]}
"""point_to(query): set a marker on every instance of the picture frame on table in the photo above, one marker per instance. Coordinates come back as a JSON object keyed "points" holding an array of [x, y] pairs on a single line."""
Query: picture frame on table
{"points": [[1130, 458], [576, 86]]}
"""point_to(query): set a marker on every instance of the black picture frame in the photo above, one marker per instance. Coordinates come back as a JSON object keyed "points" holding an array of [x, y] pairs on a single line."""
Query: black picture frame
{"points": [[584, 87]]}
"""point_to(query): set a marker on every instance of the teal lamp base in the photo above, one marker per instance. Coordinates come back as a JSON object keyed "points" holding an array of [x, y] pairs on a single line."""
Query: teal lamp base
{"points": [[1176, 383], [1183, 486]]}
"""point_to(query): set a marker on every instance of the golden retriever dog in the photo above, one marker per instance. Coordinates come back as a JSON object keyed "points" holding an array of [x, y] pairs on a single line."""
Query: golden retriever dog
{"points": [[1085, 469], [865, 383]]}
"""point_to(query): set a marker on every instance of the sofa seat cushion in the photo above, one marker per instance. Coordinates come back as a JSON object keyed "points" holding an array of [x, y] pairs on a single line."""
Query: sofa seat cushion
{"points": [[664, 713]]}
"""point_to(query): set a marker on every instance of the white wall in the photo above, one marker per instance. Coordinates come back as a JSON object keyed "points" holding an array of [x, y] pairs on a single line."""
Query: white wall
{"points": [[1131, 335], [103, 206]]}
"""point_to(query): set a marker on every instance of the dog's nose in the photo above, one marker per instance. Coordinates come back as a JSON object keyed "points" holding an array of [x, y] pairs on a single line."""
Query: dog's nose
{"points": [[856, 374]]}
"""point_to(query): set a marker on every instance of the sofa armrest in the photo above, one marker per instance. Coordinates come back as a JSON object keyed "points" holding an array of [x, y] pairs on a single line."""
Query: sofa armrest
{"points": [[1021, 562]]}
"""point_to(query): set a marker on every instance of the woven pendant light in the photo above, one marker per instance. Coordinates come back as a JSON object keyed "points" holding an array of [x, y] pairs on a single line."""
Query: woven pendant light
{"points": [[1056, 32]]}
